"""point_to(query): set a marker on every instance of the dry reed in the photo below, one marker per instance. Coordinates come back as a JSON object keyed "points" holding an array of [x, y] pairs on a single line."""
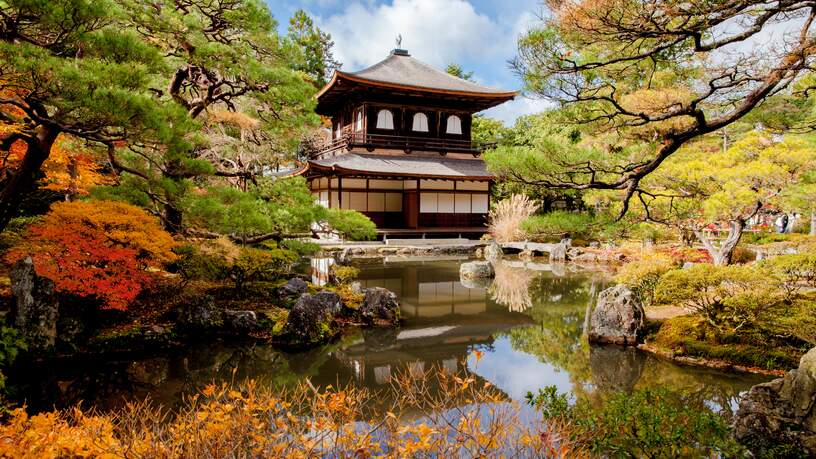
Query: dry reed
{"points": [[506, 216]]}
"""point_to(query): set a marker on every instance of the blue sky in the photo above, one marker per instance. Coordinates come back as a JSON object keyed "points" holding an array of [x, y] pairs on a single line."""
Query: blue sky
{"points": [[479, 35]]}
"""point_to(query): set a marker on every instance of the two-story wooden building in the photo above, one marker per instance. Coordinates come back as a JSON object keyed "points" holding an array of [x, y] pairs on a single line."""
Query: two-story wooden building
{"points": [[401, 149]]}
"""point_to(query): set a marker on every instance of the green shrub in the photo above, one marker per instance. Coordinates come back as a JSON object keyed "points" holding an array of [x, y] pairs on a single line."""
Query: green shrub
{"points": [[727, 297], [302, 248], [641, 276], [645, 423], [351, 225], [195, 264], [794, 322], [559, 224], [651, 231], [11, 343], [15, 231], [260, 264], [793, 271], [674, 332], [344, 274], [763, 237]]}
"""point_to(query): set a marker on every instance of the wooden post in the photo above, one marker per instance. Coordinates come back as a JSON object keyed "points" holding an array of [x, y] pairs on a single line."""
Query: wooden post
{"points": [[339, 192]]}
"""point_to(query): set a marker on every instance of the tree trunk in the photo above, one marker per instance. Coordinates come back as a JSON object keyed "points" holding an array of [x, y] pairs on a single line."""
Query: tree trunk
{"points": [[722, 254], [173, 214], [172, 219], [24, 179], [813, 222]]}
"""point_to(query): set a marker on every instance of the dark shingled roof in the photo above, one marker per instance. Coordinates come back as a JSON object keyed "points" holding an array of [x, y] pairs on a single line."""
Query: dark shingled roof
{"points": [[405, 76], [405, 166], [400, 68]]}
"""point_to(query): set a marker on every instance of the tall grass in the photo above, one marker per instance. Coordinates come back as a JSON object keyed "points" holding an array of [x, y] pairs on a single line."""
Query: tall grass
{"points": [[430, 414], [506, 216]]}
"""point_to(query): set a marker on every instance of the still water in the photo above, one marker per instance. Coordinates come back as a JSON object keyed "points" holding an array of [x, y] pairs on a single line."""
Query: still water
{"points": [[527, 325]]}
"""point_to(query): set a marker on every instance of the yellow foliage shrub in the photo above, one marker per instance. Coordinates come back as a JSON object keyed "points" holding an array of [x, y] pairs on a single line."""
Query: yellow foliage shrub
{"points": [[641, 276], [460, 417]]}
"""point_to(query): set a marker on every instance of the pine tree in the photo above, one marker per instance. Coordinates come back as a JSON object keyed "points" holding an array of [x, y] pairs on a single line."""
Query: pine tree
{"points": [[315, 46]]}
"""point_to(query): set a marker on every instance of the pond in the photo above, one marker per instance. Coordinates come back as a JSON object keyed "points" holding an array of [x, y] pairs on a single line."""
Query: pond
{"points": [[526, 327]]}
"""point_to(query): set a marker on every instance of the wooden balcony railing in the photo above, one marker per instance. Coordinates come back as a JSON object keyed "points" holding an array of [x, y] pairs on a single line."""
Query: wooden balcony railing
{"points": [[407, 144]]}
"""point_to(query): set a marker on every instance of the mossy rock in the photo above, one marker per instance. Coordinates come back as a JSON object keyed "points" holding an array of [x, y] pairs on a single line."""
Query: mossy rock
{"points": [[311, 320]]}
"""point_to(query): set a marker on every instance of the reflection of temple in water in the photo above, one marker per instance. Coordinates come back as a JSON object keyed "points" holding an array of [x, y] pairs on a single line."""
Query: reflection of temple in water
{"points": [[427, 290], [384, 355], [445, 320]]}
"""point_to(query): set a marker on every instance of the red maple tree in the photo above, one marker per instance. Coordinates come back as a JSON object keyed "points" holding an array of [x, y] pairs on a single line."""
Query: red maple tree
{"points": [[97, 249]]}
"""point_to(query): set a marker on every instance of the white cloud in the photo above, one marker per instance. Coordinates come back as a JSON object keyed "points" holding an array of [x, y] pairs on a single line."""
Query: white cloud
{"points": [[520, 106], [437, 32]]}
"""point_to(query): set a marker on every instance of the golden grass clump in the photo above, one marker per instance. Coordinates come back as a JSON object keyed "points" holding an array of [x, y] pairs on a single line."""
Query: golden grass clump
{"points": [[432, 414], [506, 216]]}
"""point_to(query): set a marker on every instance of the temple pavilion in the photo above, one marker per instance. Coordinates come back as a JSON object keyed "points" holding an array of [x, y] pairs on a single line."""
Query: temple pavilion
{"points": [[401, 150]]}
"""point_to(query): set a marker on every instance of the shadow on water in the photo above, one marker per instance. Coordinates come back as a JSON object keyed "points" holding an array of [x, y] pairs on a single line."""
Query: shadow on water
{"points": [[528, 326]]}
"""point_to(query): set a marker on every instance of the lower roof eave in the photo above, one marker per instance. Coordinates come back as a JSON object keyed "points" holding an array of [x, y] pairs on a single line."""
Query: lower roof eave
{"points": [[343, 172]]}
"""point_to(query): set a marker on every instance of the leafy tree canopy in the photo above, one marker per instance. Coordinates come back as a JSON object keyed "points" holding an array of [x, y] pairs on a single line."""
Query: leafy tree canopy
{"points": [[702, 185], [139, 80], [652, 76], [317, 58]]}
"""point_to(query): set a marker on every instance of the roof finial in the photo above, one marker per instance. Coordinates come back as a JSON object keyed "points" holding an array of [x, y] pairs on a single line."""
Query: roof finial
{"points": [[398, 51]]}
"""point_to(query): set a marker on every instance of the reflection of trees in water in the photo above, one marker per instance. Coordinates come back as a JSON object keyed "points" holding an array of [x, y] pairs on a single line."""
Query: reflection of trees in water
{"points": [[511, 288], [560, 307], [717, 390]]}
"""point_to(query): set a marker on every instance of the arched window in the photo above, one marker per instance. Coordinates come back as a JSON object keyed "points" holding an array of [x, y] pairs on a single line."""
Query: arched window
{"points": [[385, 119], [420, 122], [454, 125], [358, 121]]}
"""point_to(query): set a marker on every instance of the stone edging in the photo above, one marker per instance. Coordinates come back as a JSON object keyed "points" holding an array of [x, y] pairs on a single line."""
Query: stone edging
{"points": [[707, 363]]}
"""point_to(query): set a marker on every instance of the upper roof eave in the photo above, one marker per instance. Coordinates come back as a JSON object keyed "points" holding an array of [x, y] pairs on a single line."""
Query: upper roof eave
{"points": [[383, 84]]}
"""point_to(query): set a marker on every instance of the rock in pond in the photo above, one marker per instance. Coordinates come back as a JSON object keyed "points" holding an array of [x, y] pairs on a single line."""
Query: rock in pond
{"points": [[380, 304], [476, 270], [293, 289], [782, 411], [558, 252], [35, 308], [493, 252], [199, 313], [241, 321], [311, 320], [618, 318]]}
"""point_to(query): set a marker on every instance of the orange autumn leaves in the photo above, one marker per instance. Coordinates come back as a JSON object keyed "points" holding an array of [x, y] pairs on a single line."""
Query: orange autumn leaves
{"points": [[70, 169], [97, 249], [459, 418]]}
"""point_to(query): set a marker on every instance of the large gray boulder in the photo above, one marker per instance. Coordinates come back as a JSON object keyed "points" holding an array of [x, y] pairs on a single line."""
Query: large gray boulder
{"points": [[311, 320], [293, 288], [781, 412], [380, 304], [199, 313], [618, 317], [241, 321], [476, 270], [493, 252], [35, 309]]}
